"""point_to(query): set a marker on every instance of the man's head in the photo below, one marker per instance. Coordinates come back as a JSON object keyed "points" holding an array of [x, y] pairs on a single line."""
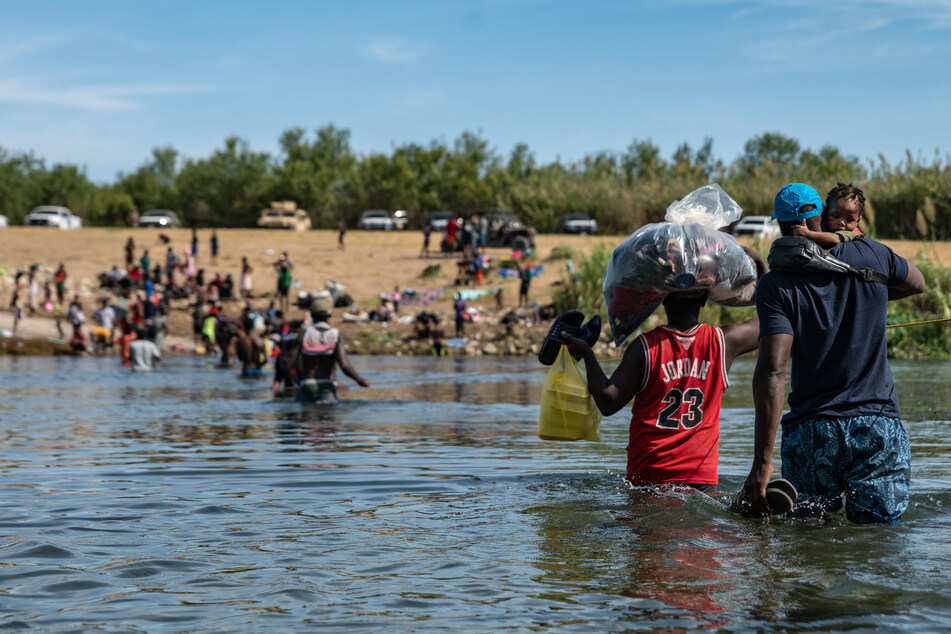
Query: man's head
{"points": [[845, 205], [797, 204], [321, 307]]}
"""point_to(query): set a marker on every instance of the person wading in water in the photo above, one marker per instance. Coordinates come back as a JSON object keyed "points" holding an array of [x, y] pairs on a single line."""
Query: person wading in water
{"points": [[321, 350]]}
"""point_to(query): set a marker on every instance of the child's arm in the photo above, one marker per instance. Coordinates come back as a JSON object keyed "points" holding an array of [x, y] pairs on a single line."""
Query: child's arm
{"points": [[824, 239]]}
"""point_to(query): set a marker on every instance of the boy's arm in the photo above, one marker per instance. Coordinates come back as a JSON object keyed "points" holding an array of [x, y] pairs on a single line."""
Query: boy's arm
{"points": [[610, 395], [824, 239]]}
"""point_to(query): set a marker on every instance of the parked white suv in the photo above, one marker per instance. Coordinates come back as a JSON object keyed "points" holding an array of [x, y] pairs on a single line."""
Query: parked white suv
{"points": [[375, 220], [160, 218], [762, 227], [53, 216]]}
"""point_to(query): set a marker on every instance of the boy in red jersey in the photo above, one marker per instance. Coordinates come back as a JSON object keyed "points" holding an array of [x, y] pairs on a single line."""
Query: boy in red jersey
{"points": [[676, 375]]}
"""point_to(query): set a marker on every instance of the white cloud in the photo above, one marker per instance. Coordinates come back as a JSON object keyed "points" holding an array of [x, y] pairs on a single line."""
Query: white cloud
{"points": [[104, 98], [396, 51]]}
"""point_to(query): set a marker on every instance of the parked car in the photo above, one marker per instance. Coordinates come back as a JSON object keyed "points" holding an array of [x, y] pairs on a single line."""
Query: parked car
{"points": [[53, 216], [503, 229], [3, 220], [161, 218], [284, 214], [577, 223], [762, 227], [438, 219], [375, 220], [400, 219]]}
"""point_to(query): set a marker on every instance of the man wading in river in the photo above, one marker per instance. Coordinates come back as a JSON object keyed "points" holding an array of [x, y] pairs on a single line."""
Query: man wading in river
{"points": [[321, 350], [676, 375], [842, 434]]}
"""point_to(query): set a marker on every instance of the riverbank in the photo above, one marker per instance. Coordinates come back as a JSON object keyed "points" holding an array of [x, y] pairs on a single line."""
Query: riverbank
{"points": [[370, 264]]}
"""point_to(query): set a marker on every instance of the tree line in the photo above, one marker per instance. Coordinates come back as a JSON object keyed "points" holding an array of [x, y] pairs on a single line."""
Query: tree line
{"points": [[621, 189]]}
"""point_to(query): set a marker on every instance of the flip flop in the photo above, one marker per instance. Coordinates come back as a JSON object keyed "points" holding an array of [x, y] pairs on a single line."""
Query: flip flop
{"points": [[785, 486], [570, 323], [780, 495], [779, 501]]}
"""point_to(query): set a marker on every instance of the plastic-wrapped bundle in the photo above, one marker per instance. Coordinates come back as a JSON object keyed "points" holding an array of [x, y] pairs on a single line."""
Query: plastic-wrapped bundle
{"points": [[685, 253]]}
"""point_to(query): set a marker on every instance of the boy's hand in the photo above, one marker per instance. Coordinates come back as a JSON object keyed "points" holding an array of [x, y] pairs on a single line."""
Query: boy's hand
{"points": [[577, 347]]}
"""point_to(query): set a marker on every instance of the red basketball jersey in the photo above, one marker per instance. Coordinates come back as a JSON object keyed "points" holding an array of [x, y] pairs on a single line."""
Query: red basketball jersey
{"points": [[675, 422]]}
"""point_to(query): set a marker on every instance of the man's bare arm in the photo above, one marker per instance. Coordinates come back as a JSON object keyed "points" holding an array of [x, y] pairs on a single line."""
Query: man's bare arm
{"points": [[913, 284], [344, 363], [769, 390]]}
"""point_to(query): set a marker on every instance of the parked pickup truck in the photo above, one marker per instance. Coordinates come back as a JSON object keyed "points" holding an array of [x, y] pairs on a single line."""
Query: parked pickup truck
{"points": [[50, 216], [284, 214]]}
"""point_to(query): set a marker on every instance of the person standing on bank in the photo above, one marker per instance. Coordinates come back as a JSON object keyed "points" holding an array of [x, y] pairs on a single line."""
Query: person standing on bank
{"points": [[843, 434], [341, 232]]}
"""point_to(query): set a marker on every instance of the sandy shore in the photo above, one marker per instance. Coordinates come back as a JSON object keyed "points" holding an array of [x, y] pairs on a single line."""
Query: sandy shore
{"points": [[371, 263]]}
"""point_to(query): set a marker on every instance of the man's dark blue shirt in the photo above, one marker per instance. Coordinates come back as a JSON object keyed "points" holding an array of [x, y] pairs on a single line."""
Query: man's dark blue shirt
{"points": [[839, 362]]}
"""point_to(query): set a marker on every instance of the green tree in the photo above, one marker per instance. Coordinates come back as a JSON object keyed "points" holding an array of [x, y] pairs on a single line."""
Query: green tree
{"points": [[226, 190]]}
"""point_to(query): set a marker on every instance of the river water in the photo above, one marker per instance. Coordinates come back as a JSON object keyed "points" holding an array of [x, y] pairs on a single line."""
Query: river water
{"points": [[189, 500]]}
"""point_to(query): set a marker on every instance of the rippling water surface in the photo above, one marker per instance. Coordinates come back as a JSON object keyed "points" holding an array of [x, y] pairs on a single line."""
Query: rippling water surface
{"points": [[188, 499]]}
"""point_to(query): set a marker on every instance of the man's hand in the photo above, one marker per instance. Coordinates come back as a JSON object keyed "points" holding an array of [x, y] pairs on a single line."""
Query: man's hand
{"points": [[751, 501], [363, 383], [761, 267]]}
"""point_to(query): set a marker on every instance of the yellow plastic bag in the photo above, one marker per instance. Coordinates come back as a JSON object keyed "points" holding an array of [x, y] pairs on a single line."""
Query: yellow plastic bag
{"points": [[567, 410]]}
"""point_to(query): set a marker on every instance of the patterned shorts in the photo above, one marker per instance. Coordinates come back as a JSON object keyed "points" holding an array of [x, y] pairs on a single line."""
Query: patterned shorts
{"points": [[866, 458]]}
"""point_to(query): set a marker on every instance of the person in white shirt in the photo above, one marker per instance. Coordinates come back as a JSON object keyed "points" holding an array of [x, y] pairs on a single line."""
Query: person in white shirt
{"points": [[143, 352]]}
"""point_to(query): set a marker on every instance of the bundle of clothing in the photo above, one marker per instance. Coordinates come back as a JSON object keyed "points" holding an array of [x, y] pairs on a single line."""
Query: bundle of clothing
{"points": [[687, 252]]}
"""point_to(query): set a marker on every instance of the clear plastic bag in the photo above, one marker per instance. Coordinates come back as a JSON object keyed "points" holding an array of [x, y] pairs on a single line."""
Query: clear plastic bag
{"points": [[709, 206], [685, 253], [568, 411]]}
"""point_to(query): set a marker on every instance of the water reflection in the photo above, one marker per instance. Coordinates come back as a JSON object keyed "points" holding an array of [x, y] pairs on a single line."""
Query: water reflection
{"points": [[188, 496]]}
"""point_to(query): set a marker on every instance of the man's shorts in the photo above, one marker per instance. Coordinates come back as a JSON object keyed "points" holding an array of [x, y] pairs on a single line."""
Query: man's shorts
{"points": [[866, 458]]}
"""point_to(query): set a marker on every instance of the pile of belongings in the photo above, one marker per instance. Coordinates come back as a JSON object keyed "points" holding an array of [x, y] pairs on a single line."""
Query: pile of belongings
{"points": [[685, 253]]}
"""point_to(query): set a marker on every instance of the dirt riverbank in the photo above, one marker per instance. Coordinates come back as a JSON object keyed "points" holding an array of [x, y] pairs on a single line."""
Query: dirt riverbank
{"points": [[371, 263]]}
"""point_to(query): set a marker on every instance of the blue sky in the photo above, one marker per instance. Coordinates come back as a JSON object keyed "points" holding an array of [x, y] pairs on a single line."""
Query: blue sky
{"points": [[99, 84]]}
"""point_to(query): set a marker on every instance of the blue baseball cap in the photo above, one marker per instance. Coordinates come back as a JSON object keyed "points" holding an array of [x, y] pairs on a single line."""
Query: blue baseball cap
{"points": [[794, 197]]}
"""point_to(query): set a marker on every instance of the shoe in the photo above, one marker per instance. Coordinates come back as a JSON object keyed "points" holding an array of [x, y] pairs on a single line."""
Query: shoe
{"points": [[571, 323], [781, 495]]}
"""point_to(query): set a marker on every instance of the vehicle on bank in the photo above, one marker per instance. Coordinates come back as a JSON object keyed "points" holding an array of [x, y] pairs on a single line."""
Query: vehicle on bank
{"points": [[3, 221], [284, 214], [400, 219], [160, 219], [53, 216], [375, 220], [581, 224], [502, 229], [761, 227], [437, 220]]}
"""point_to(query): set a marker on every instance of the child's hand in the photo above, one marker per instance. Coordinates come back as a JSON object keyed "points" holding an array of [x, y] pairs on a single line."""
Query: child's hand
{"points": [[801, 231]]}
